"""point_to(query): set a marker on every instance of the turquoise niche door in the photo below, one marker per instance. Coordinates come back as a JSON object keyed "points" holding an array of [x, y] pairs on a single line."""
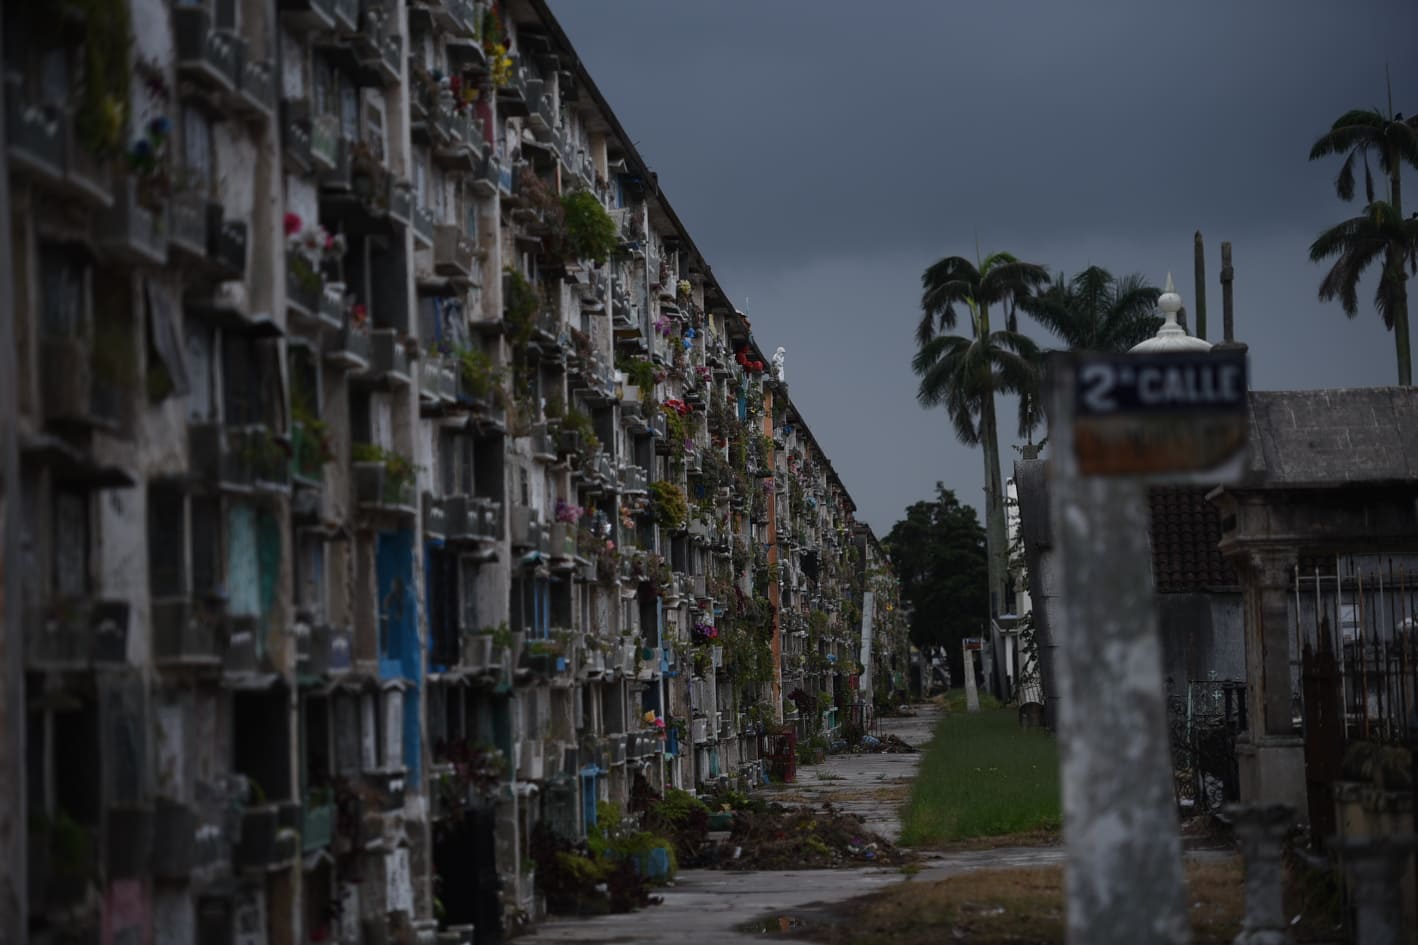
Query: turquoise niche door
{"points": [[398, 607], [399, 655]]}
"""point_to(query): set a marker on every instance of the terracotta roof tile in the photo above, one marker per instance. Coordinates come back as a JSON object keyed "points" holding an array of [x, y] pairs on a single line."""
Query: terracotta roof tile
{"points": [[1185, 532]]}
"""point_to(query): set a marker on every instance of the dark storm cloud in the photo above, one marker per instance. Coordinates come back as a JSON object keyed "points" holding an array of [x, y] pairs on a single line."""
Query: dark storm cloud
{"points": [[822, 153]]}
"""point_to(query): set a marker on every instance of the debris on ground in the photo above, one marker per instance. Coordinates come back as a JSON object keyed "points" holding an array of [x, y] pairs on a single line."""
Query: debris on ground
{"points": [[780, 838], [884, 745]]}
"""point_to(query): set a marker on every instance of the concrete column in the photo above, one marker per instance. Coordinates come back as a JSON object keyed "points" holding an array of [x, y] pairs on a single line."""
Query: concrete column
{"points": [[1373, 865], [972, 696], [1271, 753], [1261, 830], [1124, 880], [1269, 589]]}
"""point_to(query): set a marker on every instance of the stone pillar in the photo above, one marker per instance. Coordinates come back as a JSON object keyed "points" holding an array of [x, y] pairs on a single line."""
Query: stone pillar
{"points": [[1374, 865], [1270, 586], [1271, 753], [1124, 880], [1261, 830], [972, 695]]}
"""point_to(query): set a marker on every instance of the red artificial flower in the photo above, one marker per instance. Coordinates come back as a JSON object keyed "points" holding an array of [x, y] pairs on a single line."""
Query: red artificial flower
{"points": [[292, 223], [455, 82]]}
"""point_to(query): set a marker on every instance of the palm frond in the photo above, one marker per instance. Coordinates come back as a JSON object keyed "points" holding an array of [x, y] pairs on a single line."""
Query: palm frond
{"points": [[1008, 278], [1391, 294], [945, 283], [1353, 128], [1358, 252], [1344, 183], [1335, 239]]}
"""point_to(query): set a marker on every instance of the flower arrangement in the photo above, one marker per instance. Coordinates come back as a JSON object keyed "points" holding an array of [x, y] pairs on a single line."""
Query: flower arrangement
{"points": [[703, 632], [500, 65], [308, 247], [567, 513], [683, 289], [662, 326], [754, 366], [148, 161]]}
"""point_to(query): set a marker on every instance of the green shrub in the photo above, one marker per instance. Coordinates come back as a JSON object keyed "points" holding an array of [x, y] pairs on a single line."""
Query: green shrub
{"points": [[590, 231]]}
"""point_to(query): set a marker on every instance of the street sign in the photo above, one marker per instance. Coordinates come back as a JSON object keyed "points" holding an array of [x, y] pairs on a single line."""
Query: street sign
{"points": [[1143, 414]]}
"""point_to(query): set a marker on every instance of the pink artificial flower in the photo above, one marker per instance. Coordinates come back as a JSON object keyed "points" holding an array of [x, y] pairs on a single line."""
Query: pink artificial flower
{"points": [[292, 224]]}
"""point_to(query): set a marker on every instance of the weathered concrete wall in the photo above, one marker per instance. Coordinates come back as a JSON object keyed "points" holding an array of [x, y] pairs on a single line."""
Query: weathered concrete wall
{"points": [[1203, 636]]}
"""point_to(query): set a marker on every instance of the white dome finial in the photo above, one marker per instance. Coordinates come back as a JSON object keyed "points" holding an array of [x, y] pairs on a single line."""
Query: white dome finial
{"points": [[1170, 302], [1171, 336]]}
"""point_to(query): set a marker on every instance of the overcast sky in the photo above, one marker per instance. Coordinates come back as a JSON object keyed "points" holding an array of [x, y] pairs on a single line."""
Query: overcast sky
{"points": [[822, 153]]}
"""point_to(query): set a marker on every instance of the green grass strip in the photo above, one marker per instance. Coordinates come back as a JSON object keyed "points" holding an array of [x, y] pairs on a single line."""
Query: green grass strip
{"points": [[983, 776]]}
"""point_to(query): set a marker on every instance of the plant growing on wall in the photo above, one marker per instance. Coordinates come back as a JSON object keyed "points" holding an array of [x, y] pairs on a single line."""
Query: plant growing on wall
{"points": [[481, 376], [520, 304], [677, 432], [590, 231], [639, 372], [399, 471], [101, 114], [668, 503], [578, 422]]}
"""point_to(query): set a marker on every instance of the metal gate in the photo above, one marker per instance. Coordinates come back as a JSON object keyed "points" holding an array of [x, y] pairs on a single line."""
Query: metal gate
{"points": [[1205, 720], [1357, 667]]}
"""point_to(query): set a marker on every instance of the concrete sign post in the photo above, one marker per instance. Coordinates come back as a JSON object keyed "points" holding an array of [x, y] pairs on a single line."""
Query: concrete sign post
{"points": [[1120, 422]]}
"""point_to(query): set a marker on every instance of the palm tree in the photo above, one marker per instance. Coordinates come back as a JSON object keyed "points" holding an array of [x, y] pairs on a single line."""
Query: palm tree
{"points": [[964, 373], [1358, 242], [1394, 139], [1096, 311]]}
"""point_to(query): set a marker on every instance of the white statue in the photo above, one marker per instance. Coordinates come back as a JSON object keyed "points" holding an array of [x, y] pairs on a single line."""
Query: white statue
{"points": [[778, 357]]}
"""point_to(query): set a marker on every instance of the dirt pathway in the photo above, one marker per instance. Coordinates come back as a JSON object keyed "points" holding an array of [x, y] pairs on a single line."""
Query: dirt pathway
{"points": [[706, 907]]}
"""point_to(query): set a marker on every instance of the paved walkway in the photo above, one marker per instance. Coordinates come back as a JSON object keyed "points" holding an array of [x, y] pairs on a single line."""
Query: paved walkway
{"points": [[705, 907]]}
